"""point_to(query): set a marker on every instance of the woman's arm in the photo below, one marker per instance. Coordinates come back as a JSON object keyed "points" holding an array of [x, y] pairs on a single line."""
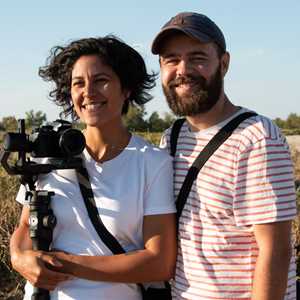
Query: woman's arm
{"points": [[32, 264], [154, 263]]}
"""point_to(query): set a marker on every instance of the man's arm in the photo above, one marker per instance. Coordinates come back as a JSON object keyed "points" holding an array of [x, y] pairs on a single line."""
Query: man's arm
{"points": [[271, 270]]}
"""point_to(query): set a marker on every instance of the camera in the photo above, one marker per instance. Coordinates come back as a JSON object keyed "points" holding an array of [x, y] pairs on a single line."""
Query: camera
{"points": [[57, 141]]}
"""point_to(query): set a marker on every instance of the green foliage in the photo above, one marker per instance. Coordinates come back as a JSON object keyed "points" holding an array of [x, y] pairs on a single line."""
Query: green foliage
{"points": [[291, 123], [9, 123], [34, 119], [157, 124], [134, 119]]}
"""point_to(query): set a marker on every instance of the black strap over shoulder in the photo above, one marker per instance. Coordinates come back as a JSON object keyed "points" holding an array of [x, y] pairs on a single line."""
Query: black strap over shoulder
{"points": [[204, 155], [174, 135], [88, 197]]}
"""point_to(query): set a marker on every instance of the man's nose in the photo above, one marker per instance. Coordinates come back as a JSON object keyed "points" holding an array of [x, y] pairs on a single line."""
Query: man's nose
{"points": [[183, 68]]}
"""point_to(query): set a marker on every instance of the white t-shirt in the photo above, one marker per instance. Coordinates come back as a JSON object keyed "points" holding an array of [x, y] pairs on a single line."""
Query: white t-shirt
{"points": [[136, 183]]}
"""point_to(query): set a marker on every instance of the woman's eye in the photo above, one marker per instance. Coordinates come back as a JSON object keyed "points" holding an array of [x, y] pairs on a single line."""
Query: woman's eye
{"points": [[101, 79], [77, 83]]}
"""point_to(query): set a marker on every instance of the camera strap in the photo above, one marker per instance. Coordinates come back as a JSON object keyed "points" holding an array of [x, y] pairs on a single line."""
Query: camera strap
{"points": [[87, 194], [219, 138]]}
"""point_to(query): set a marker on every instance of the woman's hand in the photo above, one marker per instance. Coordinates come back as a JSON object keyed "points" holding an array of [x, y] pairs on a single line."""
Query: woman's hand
{"points": [[40, 268]]}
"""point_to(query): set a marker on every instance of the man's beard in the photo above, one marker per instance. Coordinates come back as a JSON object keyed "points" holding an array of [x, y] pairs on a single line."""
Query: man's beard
{"points": [[201, 99]]}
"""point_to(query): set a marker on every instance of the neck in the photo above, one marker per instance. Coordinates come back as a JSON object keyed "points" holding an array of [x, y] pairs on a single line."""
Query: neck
{"points": [[105, 143], [222, 110]]}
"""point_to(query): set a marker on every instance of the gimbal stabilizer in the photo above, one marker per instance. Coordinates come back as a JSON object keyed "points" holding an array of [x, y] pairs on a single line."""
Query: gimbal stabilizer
{"points": [[60, 145]]}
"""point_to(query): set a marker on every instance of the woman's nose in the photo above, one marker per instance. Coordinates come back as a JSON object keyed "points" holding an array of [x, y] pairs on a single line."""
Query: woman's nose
{"points": [[89, 89]]}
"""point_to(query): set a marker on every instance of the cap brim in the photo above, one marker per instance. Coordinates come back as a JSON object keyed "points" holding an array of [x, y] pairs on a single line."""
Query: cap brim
{"points": [[157, 42]]}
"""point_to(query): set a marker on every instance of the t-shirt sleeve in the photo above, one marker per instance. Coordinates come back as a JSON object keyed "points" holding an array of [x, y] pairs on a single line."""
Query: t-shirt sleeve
{"points": [[21, 195], [159, 194], [264, 186]]}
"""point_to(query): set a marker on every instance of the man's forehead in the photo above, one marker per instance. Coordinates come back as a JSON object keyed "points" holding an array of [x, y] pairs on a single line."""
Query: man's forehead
{"points": [[184, 44]]}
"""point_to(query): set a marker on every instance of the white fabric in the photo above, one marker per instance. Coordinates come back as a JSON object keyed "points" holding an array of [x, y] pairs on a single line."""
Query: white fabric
{"points": [[136, 183]]}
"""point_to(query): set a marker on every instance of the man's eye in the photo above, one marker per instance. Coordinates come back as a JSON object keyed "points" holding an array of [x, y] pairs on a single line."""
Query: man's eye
{"points": [[198, 59], [170, 61]]}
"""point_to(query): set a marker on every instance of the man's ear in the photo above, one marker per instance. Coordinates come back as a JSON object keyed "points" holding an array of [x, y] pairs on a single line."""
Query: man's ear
{"points": [[225, 60]]}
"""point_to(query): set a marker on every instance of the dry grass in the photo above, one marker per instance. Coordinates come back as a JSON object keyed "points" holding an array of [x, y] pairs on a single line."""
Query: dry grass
{"points": [[11, 283]]}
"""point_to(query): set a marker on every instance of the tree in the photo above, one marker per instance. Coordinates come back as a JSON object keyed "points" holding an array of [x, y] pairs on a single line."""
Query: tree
{"points": [[134, 119], [155, 123], [280, 123], [293, 121], [9, 123], [168, 119], [35, 119]]}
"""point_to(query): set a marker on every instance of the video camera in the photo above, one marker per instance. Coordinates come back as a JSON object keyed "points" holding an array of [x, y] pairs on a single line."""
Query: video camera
{"points": [[56, 141]]}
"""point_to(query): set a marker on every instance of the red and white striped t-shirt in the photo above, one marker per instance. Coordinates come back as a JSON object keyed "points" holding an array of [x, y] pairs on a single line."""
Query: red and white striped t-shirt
{"points": [[248, 180]]}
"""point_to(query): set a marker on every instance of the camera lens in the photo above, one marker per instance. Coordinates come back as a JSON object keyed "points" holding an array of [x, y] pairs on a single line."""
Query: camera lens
{"points": [[72, 142]]}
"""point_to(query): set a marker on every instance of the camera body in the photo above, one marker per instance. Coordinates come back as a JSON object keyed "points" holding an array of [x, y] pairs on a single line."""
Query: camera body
{"points": [[57, 141]]}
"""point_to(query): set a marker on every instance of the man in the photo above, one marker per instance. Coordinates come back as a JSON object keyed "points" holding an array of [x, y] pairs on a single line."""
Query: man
{"points": [[235, 228]]}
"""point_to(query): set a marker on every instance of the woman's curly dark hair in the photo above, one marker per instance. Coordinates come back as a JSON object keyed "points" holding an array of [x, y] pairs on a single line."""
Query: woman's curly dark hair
{"points": [[126, 62]]}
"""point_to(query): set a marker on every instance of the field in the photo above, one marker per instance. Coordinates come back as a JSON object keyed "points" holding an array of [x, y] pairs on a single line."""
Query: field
{"points": [[10, 283]]}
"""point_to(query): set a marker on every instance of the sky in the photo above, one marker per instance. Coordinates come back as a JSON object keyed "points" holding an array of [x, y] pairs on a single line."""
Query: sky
{"points": [[263, 39]]}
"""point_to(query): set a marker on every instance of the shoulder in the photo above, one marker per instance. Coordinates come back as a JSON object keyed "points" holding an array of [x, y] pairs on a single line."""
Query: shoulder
{"points": [[180, 126], [259, 129], [149, 151]]}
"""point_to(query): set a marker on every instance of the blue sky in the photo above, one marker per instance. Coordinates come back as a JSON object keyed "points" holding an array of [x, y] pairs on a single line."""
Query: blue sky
{"points": [[263, 38]]}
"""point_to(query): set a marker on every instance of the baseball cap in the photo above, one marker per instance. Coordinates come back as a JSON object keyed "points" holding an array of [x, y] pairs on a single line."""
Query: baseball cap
{"points": [[197, 26]]}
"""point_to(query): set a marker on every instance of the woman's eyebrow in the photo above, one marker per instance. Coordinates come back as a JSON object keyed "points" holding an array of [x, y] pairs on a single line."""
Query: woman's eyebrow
{"points": [[92, 75]]}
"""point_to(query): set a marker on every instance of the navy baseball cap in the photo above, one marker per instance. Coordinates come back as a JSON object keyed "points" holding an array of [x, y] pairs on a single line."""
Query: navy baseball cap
{"points": [[197, 26]]}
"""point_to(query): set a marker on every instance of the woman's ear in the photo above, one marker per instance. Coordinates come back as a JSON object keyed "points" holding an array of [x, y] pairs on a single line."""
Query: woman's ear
{"points": [[126, 94]]}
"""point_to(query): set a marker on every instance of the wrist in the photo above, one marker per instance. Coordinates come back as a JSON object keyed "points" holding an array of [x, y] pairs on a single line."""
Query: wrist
{"points": [[15, 256]]}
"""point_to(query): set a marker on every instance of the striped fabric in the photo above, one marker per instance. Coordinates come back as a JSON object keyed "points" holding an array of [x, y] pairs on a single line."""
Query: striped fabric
{"points": [[249, 180]]}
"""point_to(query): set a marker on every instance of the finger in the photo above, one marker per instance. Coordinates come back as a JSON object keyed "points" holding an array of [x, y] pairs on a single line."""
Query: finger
{"points": [[54, 276], [48, 280], [51, 260]]}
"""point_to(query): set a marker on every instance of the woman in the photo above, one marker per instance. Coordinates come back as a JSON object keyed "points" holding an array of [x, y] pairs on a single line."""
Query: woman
{"points": [[96, 79]]}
